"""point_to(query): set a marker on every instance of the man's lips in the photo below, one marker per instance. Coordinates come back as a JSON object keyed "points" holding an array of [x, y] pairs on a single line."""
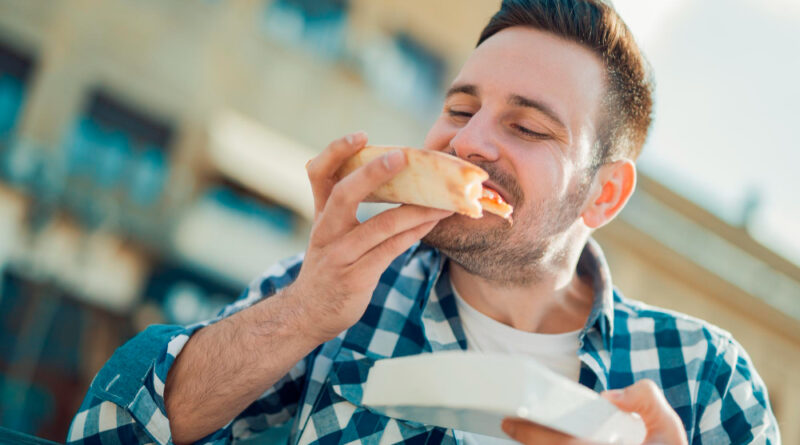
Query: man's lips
{"points": [[492, 186]]}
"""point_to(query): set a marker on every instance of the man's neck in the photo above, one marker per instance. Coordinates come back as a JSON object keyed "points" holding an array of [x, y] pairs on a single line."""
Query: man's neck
{"points": [[559, 302]]}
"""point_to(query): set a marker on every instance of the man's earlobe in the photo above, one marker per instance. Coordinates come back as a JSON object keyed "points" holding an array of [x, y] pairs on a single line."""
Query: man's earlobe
{"points": [[616, 182]]}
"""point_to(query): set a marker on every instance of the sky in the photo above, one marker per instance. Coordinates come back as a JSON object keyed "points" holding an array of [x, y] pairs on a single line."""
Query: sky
{"points": [[727, 110]]}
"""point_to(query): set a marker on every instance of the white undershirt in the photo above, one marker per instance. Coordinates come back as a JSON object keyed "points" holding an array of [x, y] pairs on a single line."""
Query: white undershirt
{"points": [[559, 352]]}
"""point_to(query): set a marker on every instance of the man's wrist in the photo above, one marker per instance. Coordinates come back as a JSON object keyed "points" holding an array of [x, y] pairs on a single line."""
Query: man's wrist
{"points": [[296, 319]]}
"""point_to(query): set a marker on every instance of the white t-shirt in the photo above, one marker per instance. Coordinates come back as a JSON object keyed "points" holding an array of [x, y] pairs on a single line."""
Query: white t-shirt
{"points": [[559, 352]]}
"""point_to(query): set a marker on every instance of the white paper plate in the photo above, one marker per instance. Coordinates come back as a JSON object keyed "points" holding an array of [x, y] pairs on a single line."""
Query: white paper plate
{"points": [[474, 392]]}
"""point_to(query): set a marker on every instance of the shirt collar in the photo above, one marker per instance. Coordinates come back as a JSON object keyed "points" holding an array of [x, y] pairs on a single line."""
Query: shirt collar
{"points": [[440, 320], [592, 267], [443, 328], [597, 334]]}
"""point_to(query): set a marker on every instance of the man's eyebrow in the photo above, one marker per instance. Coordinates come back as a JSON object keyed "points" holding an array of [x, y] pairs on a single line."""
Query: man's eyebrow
{"points": [[472, 90], [514, 100], [521, 101]]}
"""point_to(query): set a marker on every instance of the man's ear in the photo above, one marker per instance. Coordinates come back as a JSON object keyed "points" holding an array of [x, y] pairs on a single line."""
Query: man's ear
{"points": [[613, 186]]}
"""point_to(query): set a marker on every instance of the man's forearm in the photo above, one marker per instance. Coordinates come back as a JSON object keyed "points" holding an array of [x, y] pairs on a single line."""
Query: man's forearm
{"points": [[224, 367]]}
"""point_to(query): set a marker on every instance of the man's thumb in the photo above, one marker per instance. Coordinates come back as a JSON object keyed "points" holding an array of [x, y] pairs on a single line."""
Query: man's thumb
{"points": [[646, 399], [643, 397]]}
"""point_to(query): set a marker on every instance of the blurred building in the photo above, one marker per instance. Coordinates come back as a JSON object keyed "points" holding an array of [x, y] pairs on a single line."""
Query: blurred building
{"points": [[152, 163]]}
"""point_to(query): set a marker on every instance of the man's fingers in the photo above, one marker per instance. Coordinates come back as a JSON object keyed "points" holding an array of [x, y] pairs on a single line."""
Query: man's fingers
{"points": [[643, 397], [322, 168], [339, 214], [334, 155], [530, 433], [378, 259], [358, 185], [385, 225], [646, 399]]}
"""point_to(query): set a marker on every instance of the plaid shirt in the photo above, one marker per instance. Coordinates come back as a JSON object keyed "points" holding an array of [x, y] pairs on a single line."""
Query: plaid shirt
{"points": [[706, 375]]}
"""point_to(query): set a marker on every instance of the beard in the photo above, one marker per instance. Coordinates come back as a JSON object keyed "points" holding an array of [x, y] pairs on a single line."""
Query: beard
{"points": [[510, 255]]}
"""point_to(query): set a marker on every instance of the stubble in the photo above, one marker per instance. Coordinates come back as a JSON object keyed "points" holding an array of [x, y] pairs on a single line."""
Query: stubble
{"points": [[511, 255]]}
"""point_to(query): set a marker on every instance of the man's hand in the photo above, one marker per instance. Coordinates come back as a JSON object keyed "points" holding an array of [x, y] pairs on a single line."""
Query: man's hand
{"points": [[345, 258], [225, 366], [643, 397]]}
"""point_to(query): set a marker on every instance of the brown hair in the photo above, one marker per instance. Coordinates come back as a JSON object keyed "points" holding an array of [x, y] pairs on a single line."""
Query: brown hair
{"points": [[628, 102]]}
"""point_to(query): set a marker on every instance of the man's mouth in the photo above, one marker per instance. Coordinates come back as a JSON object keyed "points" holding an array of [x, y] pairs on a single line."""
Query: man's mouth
{"points": [[492, 188], [494, 202]]}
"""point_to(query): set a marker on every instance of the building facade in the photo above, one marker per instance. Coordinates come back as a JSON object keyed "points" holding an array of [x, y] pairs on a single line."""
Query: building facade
{"points": [[151, 164]]}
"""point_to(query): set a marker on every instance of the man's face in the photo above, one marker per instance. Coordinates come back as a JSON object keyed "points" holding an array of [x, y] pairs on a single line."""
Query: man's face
{"points": [[524, 107]]}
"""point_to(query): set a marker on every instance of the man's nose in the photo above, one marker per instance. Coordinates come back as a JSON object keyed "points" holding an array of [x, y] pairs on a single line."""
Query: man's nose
{"points": [[474, 141]]}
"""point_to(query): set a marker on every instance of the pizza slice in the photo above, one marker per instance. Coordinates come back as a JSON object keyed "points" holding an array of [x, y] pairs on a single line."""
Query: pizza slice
{"points": [[433, 179]]}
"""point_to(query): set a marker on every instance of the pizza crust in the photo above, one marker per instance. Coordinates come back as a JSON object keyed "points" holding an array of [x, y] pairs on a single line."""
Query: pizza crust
{"points": [[431, 179]]}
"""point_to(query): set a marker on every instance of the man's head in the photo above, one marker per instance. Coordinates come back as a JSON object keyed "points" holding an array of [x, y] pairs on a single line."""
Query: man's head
{"points": [[555, 105], [627, 103]]}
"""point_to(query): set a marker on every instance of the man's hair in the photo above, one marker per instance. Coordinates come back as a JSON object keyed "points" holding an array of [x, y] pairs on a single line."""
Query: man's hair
{"points": [[627, 102]]}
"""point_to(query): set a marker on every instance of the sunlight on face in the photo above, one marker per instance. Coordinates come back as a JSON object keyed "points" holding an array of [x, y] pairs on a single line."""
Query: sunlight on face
{"points": [[524, 108]]}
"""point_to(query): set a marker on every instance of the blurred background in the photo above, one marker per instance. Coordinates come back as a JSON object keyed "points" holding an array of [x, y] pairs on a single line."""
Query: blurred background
{"points": [[152, 153]]}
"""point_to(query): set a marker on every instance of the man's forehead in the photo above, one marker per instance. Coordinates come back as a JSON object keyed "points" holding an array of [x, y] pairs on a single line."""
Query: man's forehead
{"points": [[537, 64], [529, 51]]}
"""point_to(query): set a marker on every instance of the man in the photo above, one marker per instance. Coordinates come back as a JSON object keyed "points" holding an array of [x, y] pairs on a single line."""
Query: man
{"points": [[554, 103]]}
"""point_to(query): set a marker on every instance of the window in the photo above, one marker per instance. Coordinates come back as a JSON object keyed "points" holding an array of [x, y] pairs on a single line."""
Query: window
{"points": [[116, 151], [15, 72], [317, 24], [231, 233], [185, 295], [404, 71], [245, 203]]}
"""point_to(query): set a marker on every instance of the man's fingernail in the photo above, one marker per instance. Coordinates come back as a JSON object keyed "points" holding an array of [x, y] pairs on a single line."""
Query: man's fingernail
{"points": [[393, 159], [614, 394], [356, 138]]}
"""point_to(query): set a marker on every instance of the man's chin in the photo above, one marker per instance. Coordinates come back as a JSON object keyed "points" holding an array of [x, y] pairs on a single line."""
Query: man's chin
{"points": [[488, 221], [459, 231]]}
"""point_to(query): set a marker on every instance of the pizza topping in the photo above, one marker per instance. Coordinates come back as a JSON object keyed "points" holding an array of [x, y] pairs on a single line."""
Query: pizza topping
{"points": [[491, 201], [493, 196]]}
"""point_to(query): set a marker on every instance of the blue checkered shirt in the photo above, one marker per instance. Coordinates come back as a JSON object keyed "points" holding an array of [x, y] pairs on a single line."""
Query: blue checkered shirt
{"points": [[705, 374]]}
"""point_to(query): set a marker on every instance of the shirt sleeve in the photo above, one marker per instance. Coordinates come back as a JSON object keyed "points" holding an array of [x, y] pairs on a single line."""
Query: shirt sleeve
{"points": [[737, 408], [125, 401]]}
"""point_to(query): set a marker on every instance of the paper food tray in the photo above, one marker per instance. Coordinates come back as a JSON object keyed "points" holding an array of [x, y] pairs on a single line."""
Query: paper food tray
{"points": [[474, 392]]}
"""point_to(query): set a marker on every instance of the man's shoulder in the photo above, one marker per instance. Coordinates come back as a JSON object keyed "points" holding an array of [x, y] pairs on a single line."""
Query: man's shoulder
{"points": [[706, 375], [663, 318], [666, 328]]}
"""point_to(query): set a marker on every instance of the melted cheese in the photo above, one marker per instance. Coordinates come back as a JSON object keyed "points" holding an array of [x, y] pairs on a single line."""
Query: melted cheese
{"points": [[491, 201]]}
